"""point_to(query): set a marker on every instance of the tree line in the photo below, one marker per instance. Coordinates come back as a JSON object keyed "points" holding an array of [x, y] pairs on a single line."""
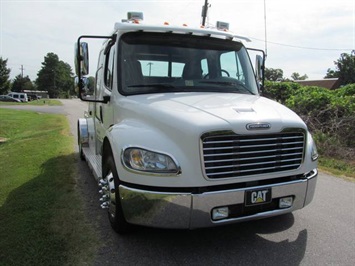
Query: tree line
{"points": [[55, 77], [344, 70]]}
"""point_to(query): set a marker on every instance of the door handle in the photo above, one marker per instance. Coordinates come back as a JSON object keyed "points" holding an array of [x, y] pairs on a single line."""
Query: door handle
{"points": [[101, 113]]}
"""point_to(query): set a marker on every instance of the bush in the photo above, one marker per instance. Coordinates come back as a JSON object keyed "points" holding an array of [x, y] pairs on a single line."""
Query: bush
{"points": [[280, 91], [329, 114]]}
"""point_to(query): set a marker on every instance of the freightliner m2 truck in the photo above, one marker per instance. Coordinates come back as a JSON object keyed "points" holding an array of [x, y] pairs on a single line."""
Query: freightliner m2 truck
{"points": [[178, 135]]}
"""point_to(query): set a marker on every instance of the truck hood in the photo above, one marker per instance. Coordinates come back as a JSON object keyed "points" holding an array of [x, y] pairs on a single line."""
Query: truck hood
{"points": [[217, 111]]}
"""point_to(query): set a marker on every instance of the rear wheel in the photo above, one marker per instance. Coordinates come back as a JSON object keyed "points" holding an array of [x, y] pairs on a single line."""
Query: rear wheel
{"points": [[112, 197]]}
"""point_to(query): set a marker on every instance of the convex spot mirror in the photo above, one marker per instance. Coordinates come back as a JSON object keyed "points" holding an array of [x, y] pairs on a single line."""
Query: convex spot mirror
{"points": [[87, 89]]}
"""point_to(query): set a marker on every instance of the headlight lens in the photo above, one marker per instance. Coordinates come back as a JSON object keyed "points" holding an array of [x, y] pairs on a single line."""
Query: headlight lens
{"points": [[149, 161], [314, 153]]}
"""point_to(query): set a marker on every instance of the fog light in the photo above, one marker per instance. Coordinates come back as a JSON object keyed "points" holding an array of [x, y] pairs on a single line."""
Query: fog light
{"points": [[285, 202], [220, 213]]}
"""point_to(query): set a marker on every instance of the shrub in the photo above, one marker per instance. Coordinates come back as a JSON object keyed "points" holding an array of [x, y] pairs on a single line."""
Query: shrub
{"points": [[329, 114], [280, 91]]}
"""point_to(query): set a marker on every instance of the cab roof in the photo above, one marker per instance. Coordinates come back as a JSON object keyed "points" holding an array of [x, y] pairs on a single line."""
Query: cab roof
{"points": [[208, 32]]}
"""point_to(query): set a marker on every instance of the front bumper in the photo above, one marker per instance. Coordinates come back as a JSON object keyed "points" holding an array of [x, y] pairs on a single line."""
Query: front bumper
{"points": [[189, 211]]}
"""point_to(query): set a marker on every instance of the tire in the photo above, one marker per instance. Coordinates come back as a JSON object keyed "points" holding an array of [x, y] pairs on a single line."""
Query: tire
{"points": [[81, 153], [115, 212]]}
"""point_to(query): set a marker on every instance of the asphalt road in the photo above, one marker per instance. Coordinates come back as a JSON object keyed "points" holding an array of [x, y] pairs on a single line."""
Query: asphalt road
{"points": [[323, 233]]}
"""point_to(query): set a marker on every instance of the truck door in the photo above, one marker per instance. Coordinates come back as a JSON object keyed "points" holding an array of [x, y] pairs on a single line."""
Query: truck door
{"points": [[103, 111]]}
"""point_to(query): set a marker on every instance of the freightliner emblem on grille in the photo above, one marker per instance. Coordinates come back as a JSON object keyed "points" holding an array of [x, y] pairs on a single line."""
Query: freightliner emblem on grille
{"points": [[258, 126]]}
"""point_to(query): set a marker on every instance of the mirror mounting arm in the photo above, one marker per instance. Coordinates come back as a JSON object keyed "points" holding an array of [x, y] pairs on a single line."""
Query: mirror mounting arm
{"points": [[82, 56]]}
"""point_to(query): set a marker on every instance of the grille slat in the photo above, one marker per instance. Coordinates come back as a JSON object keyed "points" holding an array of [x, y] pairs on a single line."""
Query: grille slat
{"points": [[233, 155], [246, 158], [252, 146], [246, 164]]}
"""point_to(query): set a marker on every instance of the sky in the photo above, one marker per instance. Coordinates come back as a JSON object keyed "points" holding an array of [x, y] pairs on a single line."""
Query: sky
{"points": [[303, 36]]}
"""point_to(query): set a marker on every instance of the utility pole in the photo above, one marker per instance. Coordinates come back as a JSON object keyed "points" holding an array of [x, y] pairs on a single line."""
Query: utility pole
{"points": [[22, 69], [265, 28], [204, 13], [150, 67]]}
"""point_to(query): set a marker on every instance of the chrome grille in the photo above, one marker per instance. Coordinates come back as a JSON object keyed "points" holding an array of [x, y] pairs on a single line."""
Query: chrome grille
{"points": [[232, 155]]}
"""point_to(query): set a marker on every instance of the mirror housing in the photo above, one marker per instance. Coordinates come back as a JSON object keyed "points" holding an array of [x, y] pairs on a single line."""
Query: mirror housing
{"points": [[259, 67], [259, 71], [84, 89]]}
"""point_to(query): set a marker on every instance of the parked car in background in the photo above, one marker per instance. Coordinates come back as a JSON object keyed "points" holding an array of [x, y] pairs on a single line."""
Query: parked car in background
{"points": [[6, 98], [19, 95], [32, 97]]}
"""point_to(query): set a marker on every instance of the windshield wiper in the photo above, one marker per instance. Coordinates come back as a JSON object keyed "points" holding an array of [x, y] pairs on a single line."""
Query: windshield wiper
{"points": [[238, 85]]}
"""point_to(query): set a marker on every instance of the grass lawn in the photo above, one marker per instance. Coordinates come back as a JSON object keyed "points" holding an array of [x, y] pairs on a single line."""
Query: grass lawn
{"points": [[36, 102], [42, 220]]}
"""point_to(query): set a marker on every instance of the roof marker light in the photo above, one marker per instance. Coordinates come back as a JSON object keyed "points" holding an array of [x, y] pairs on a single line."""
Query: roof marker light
{"points": [[166, 23], [222, 26], [135, 16]]}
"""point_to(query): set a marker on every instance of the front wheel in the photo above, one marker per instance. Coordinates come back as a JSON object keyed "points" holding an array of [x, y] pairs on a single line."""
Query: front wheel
{"points": [[112, 196]]}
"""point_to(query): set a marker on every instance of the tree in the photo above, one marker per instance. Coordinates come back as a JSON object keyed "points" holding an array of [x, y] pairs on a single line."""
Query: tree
{"points": [[332, 74], [273, 74], [345, 69], [20, 84], [4, 77], [297, 76], [91, 84], [55, 76]]}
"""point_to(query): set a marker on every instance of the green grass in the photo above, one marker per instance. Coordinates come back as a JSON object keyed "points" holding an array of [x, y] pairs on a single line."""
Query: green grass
{"points": [[49, 102], [337, 167], [41, 214]]}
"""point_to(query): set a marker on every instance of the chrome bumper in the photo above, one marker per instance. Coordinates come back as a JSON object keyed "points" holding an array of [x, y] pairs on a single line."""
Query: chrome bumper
{"points": [[189, 211]]}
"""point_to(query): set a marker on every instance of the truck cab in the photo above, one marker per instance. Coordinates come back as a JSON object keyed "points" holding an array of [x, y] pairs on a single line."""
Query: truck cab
{"points": [[178, 135]]}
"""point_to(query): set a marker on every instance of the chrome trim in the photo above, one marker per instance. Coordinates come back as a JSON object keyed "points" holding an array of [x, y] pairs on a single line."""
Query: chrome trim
{"points": [[83, 132], [189, 211], [151, 173], [225, 142], [311, 187], [156, 209], [258, 126]]}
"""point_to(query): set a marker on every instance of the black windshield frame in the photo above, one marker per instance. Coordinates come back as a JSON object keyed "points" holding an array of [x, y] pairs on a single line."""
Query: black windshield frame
{"points": [[181, 49]]}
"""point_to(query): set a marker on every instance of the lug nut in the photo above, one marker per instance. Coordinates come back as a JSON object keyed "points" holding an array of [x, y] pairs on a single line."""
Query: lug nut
{"points": [[104, 205]]}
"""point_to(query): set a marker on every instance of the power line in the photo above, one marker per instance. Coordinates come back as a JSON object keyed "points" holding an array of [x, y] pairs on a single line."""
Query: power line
{"points": [[303, 47]]}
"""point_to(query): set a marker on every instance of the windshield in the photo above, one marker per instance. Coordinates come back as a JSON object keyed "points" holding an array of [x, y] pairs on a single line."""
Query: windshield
{"points": [[163, 63]]}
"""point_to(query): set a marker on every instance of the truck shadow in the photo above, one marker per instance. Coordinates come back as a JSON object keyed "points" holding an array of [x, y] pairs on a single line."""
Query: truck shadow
{"points": [[241, 244], [29, 215]]}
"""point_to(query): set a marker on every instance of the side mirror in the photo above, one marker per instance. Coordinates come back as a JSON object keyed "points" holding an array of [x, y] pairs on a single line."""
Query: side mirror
{"points": [[259, 67], [81, 59], [259, 71], [87, 90]]}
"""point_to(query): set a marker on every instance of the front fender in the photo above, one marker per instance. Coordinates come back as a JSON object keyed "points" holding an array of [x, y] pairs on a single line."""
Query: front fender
{"points": [[183, 150]]}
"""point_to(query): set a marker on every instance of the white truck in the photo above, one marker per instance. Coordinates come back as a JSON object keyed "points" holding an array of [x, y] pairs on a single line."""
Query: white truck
{"points": [[178, 135]]}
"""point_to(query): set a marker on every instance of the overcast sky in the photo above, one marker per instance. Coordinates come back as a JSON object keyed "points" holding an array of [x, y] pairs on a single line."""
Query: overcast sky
{"points": [[304, 36]]}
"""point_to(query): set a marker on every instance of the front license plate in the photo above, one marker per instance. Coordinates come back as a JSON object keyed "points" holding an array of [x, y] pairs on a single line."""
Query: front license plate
{"points": [[258, 196]]}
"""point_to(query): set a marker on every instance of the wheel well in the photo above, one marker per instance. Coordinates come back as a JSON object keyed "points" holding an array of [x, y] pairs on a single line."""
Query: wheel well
{"points": [[106, 150]]}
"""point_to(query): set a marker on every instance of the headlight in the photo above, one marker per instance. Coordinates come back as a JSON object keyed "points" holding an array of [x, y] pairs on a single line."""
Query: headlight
{"points": [[314, 152], [148, 161]]}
